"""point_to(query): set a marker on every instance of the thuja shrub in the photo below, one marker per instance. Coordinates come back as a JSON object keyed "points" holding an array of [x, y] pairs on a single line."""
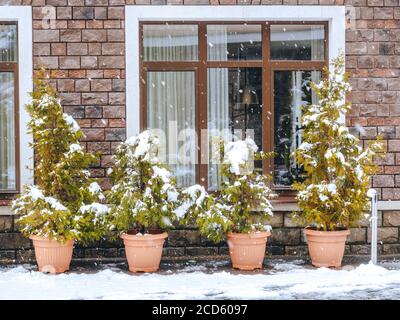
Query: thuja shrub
{"points": [[242, 203], [337, 168], [144, 196], [65, 203]]}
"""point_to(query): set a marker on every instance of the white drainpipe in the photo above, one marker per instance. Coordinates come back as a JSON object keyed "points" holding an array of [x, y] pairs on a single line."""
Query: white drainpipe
{"points": [[374, 225]]}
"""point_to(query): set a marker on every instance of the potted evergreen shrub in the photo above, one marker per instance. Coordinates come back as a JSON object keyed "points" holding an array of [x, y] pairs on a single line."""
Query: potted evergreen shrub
{"points": [[239, 210], [333, 196], [142, 201], [64, 205]]}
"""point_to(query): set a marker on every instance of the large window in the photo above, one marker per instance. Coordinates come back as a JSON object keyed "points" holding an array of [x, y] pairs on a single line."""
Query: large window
{"points": [[8, 108], [238, 78]]}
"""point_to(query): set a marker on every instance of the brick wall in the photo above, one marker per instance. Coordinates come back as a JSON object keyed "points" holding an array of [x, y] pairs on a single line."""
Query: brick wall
{"points": [[287, 239], [85, 55]]}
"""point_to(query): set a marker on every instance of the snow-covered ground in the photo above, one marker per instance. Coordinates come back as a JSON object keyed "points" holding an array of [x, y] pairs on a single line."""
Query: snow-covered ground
{"points": [[280, 280]]}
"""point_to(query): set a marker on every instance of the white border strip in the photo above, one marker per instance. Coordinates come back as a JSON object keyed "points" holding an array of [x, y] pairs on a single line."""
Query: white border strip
{"points": [[133, 14], [23, 15]]}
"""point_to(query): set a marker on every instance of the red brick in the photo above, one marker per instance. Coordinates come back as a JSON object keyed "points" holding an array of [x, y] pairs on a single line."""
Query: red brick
{"points": [[115, 134], [383, 13], [116, 13], [77, 73], [83, 13], [113, 48], [94, 24], [77, 48], [116, 98], [394, 145], [58, 49], [93, 74], [107, 62], [70, 62], [115, 35], [94, 112], [102, 147], [93, 98], [64, 13], [114, 111], [46, 35], [89, 62], [93, 134], [46, 62], [94, 35], [65, 85], [70, 98], [70, 35], [41, 49], [100, 85], [99, 123], [383, 181], [82, 85], [94, 49], [107, 161], [116, 123]]}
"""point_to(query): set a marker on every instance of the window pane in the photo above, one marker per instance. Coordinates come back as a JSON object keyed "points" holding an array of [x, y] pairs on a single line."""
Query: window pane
{"points": [[7, 132], [234, 42], [8, 42], [170, 42], [235, 106], [297, 42], [171, 109], [291, 91]]}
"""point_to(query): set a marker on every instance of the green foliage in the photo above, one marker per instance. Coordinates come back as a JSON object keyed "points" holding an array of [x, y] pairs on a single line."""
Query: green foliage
{"points": [[242, 199], [63, 203], [334, 194], [144, 195]]}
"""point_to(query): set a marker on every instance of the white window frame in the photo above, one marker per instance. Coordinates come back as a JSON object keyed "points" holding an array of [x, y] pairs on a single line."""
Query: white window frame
{"points": [[335, 15], [23, 16]]}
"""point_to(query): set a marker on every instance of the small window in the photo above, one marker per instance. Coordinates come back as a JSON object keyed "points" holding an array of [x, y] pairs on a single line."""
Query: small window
{"points": [[8, 107], [297, 42]]}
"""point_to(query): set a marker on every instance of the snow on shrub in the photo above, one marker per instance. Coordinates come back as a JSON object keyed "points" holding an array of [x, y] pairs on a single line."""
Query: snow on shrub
{"points": [[144, 195], [56, 206], [337, 168], [243, 202]]}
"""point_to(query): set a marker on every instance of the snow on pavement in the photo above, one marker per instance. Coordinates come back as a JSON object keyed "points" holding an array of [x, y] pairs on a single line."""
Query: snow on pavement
{"points": [[284, 281]]}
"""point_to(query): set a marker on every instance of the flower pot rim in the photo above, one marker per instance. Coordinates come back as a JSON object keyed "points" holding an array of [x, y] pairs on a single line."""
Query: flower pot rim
{"points": [[335, 233], [46, 239], [145, 237], [256, 234]]}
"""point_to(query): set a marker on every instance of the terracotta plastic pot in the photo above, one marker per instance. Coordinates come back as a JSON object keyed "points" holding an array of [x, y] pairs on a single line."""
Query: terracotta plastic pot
{"points": [[247, 250], [326, 248], [144, 251], [52, 256]]}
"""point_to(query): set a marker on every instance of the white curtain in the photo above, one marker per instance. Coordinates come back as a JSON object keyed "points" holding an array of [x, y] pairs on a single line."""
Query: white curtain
{"points": [[317, 43], [171, 109], [8, 42], [299, 85], [217, 96], [297, 102], [7, 132], [168, 42]]}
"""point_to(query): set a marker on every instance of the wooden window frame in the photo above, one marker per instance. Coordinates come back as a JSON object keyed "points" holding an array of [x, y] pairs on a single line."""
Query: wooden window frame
{"points": [[200, 68], [12, 66]]}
